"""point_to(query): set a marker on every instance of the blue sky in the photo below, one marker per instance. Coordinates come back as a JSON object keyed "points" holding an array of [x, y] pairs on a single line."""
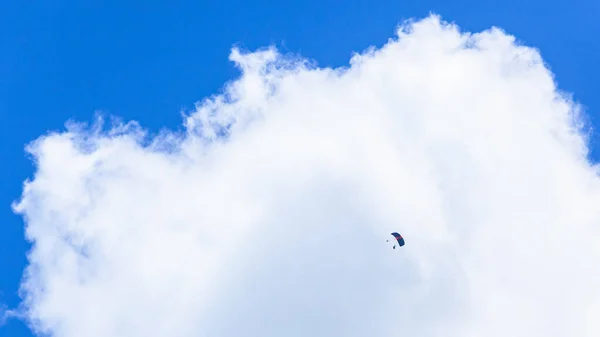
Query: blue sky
{"points": [[147, 61]]}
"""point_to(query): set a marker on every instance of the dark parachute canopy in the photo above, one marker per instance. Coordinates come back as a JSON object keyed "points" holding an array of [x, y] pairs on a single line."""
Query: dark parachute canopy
{"points": [[398, 238]]}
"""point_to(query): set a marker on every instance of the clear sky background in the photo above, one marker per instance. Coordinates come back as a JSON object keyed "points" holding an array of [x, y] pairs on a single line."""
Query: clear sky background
{"points": [[150, 60]]}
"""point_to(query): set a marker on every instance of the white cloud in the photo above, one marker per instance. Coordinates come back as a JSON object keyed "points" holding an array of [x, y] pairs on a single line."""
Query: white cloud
{"points": [[459, 141]]}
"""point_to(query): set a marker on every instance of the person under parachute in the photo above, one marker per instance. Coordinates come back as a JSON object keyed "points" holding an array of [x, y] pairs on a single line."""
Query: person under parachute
{"points": [[398, 238]]}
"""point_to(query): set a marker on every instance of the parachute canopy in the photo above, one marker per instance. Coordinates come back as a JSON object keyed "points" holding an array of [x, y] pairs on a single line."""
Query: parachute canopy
{"points": [[398, 238]]}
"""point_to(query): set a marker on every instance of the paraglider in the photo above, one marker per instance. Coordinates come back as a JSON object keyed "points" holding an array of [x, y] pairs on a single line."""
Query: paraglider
{"points": [[398, 238]]}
